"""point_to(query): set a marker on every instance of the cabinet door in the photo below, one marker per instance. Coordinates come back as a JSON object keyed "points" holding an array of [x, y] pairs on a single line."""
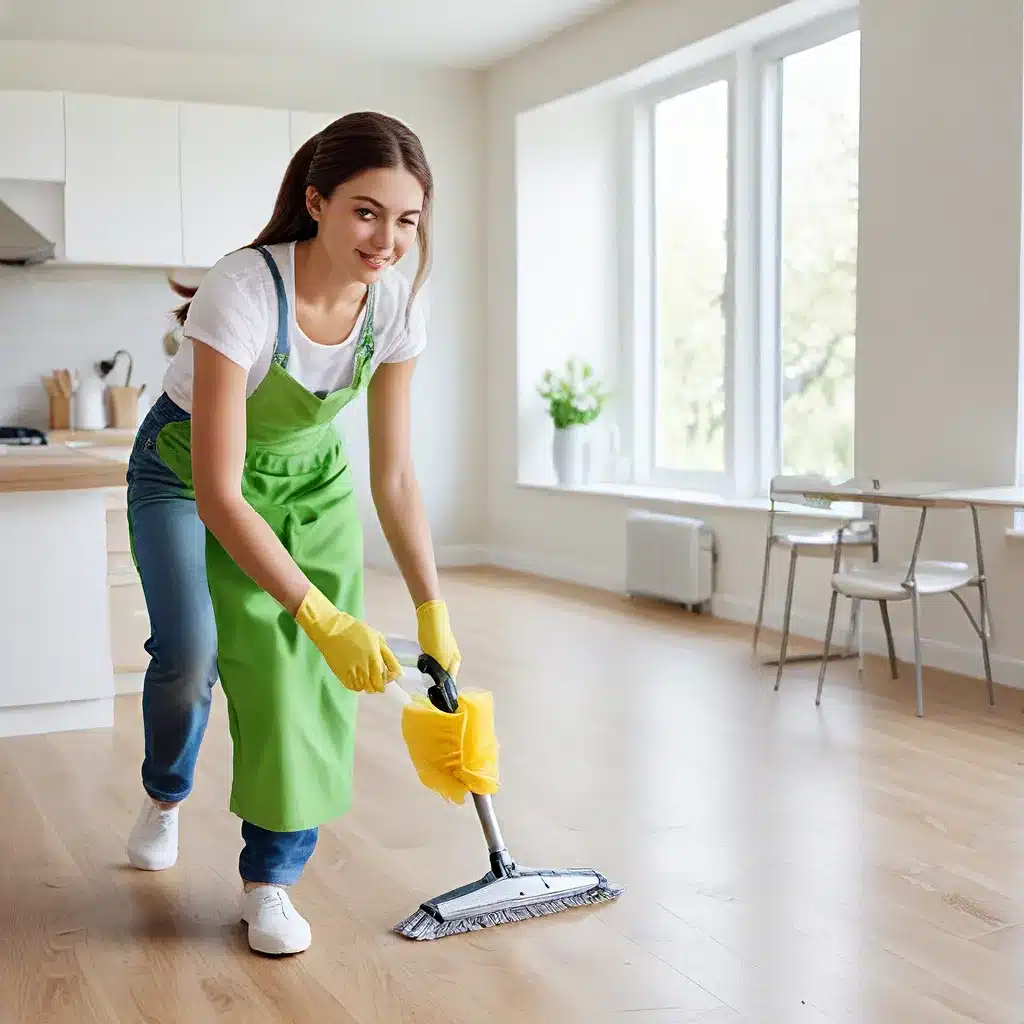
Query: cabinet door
{"points": [[122, 201], [32, 135], [129, 625], [232, 163], [305, 123]]}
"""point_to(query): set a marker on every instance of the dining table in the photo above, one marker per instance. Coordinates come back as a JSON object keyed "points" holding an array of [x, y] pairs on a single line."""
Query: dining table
{"points": [[920, 494], [913, 493]]}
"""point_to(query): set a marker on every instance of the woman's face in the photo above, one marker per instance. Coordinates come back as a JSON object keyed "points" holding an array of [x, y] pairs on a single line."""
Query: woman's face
{"points": [[370, 220]]}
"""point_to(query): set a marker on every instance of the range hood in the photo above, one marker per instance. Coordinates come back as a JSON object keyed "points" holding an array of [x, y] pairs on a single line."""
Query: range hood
{"points": [[20, 243]]}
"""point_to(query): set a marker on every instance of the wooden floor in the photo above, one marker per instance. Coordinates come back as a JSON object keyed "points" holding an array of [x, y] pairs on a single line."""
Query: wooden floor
{"points": [[784, 863]]}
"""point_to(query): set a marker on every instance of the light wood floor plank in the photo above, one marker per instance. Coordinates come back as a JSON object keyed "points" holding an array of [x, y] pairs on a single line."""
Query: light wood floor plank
{"points": [[785, 863]]}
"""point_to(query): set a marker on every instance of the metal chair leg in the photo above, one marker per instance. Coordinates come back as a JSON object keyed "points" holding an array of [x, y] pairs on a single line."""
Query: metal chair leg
{"points": [[828, 644], [785, 618], [983, 633], [915, 602], [988, 670], [984, 638], [764, 589], [860, 642], [893, 664]]}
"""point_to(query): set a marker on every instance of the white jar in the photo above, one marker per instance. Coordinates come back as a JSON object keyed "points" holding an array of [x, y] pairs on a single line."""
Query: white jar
{"points": [[89, 406]]}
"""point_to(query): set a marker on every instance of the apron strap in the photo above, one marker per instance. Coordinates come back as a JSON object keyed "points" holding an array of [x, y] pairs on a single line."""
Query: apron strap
{"points": [[366, 342], [281, 344], [371, 307]]}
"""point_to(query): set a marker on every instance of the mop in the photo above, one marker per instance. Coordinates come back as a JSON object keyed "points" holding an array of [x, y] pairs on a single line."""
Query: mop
{"points": [[457, 755]]}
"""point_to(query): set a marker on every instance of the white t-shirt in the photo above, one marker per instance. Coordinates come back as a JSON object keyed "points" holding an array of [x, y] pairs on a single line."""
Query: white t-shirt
{"points": [[235, 312]]}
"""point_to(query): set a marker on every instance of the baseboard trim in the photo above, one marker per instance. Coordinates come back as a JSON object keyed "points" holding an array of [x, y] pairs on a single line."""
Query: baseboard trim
{"points": [[553, 568], [64, 716], [450, 556], [961, 659], [456, 556]]}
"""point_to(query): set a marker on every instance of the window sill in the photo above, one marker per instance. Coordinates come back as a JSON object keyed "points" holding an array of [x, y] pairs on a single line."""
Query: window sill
{"points": [[677, 496]]}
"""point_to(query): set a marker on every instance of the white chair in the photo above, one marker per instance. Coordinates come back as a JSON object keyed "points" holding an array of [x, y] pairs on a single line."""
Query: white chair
{"points": [[910, 582], [858, 533]]}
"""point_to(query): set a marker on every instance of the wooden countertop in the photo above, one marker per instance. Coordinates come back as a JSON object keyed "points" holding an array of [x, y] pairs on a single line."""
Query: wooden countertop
{"points": [[108, 436], [56, 467]]}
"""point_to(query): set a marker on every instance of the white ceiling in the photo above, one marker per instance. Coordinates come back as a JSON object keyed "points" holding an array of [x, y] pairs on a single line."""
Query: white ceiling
{"points": [[463, 33]]}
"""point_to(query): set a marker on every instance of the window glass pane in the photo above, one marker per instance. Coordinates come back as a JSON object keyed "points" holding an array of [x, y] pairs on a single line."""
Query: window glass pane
{"points": [[691, 147], [819, 179]]}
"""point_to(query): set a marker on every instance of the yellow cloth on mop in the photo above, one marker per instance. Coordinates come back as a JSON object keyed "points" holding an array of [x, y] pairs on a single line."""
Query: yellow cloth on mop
{"points": [[453, 754]]}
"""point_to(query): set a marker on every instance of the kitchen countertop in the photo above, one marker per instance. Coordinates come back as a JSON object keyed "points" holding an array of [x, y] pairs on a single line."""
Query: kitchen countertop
{"points": [[108, 436], [56, 467]]}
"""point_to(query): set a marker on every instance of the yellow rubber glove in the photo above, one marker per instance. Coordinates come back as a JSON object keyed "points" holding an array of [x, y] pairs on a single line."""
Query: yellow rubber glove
{"points": [[434, 633], [357, 654]]}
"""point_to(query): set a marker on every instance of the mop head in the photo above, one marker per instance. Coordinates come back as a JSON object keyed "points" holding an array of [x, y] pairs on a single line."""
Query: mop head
{"points": [[494, 901], [453, 754]]}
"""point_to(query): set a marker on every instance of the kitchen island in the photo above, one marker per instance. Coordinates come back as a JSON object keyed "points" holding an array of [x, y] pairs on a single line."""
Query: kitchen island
{"points": [[56, 669]]}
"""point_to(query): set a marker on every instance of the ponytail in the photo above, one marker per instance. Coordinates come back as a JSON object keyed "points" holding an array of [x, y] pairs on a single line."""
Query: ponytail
{"points": [[186, 292], [346, 147]]}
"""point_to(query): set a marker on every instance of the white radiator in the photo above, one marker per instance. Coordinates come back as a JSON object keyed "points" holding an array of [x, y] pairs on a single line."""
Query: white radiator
{"points": [[669, 557]]}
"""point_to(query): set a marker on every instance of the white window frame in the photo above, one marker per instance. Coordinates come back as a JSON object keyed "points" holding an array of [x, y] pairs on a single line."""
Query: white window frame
{"points": [[752, 379]]}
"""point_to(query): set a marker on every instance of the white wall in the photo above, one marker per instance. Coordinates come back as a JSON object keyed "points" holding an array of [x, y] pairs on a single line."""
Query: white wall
{"points": [[445, 109], [54, 317], [567, 258], [938, 337]]}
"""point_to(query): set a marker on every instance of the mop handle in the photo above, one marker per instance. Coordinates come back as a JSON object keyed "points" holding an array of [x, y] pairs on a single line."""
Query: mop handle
{"points": [[443, 694]]}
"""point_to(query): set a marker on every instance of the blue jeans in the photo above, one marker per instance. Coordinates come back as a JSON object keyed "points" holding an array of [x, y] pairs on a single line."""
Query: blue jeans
{"points": [[169, 541]]}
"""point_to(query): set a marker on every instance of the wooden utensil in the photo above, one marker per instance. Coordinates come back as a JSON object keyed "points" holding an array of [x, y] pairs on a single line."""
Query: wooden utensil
{"points": [[63, 378]]}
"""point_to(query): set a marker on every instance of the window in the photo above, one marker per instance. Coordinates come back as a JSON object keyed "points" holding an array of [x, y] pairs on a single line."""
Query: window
{"points": [[691, 196], [745, 246], [818, 246]]}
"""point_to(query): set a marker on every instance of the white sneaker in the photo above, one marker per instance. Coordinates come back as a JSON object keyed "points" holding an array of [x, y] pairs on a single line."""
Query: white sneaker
{"points": [[153, 843], [275, 926]]}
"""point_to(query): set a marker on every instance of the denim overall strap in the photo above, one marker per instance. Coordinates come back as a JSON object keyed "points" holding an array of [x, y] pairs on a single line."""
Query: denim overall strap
{"points": [[281, 344]]}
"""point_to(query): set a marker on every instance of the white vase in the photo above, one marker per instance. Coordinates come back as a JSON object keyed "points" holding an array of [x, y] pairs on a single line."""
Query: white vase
{"points": [[569, 450]]}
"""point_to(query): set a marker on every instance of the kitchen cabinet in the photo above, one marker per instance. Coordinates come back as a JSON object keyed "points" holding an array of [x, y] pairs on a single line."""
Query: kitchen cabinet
{"points": [[129, 618], [32, 130], [304, 123], [54, 595], [122, 200], [147, 183], [129, 631], [232, 162]]}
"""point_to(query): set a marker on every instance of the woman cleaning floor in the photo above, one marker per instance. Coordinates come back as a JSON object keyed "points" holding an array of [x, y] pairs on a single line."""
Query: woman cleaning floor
{"points": [[243, 516]]}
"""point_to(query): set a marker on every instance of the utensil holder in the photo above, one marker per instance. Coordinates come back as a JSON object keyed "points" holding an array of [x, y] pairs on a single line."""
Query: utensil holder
{"points": [[60, 404], [124, 406], [60, 412]]}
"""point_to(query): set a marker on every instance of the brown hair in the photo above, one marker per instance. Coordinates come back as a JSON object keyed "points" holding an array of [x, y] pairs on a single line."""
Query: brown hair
{"points": [[352, 144]]}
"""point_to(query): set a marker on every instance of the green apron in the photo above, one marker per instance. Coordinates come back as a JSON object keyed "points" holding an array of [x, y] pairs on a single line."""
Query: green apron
{"points": [[292, 722]]}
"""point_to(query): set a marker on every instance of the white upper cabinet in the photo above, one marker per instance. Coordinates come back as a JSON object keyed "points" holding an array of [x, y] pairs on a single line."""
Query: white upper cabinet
{"points": [[32, 135], [122, 201], [232, 163], [150, 183], [305, 123]]}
